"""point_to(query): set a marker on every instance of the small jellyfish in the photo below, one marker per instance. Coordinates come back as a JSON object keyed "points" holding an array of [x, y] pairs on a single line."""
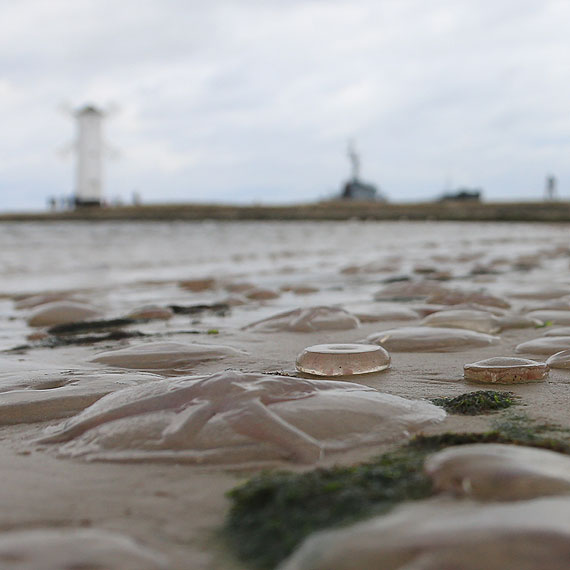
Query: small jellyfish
{"points": [[556, 317], [560, 360], [492, 471], [307, 319], [557, 331], [505, 370], [62, 312], [430, 339], [342, 359], [545, 345], [479, 321]]}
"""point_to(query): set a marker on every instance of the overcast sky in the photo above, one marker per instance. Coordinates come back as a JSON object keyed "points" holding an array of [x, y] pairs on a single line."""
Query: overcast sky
{"points": [[240, 101]]}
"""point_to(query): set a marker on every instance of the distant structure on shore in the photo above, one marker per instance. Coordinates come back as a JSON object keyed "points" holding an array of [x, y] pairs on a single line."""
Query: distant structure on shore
{"points": [[89, 148], [356, 189], [550, 190], [462, 194]]}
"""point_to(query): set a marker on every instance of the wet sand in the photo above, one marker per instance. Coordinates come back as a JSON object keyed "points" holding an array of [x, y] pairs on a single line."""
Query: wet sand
{"points": [[178, 509]]}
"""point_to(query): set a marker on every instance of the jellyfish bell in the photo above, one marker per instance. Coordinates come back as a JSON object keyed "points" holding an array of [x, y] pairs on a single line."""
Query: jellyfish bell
{"points": [[342, 359], [506, 370]]}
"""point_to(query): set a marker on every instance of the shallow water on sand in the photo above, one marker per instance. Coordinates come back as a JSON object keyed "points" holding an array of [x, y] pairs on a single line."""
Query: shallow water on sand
{"points": [[123, 265]]}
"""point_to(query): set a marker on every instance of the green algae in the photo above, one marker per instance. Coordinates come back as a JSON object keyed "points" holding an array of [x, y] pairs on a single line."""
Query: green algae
{"points": [[273, 512], [475, 403]]}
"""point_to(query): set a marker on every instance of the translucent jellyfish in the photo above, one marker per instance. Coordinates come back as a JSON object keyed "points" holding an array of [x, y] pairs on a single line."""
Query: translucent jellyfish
{"points": [[456, 297], [308, 319], [557, 331], [342, 359], [480, 321], [28, 396], [505, 370], [554, 317], [409, 291], [430, 339], [499, 472], [198, 285], [437, 535], [232, 417], [33, 301], [151, 312], [560, 359], [545, 345], [541, 293], [375, 313], [61, 312], [75, 549], [165, 357]]}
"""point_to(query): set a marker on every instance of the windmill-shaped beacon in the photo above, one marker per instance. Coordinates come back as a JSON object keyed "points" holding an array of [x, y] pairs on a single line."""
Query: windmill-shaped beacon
{"points": [[89, 148]]}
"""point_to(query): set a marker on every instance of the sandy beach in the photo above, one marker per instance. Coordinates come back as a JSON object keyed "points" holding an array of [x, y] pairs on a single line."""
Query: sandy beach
{"points": [[178, 509]]}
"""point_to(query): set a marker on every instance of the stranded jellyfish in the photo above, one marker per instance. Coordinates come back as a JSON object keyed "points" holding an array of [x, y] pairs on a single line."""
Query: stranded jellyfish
{"points": [[493, 471], [553, 317], [233, 418], [342, 359], [560, 359], [75, 549], [164, 357], [430, 339], [505, 370], [479, 321], [433, 535], [546, 345], [62, 312], [308, 319]]}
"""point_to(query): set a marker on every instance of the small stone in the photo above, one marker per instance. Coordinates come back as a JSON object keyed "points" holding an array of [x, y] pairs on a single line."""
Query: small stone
{"points": [[261, 294], [342, 359], [62, 312], [497, 472], [545, 345], [430, 339], [560, 360], [505, 370]]}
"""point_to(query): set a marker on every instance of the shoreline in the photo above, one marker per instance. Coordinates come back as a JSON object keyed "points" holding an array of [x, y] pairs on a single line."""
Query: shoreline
{"points": [[323, 211]]}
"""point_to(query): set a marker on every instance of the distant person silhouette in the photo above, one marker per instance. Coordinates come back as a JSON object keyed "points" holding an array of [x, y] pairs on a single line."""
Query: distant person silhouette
{"points": [[550, 191]]}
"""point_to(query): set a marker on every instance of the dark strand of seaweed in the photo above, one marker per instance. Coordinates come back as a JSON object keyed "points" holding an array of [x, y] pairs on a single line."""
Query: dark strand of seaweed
{"points": [[474, 403]]}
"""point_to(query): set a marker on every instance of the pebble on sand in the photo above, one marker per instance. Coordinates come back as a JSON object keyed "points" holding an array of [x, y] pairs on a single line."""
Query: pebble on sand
{"points": [[430, 339], [233, 417], [342, 359], [164, 357], [433, 535], [505, 370], [560, 359], [62, 312], [498, 472], [308, 319], [74, 549]]}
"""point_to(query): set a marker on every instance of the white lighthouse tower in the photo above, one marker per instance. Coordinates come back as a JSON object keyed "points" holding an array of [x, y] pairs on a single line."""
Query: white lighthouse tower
{"points": [[90, 148]]}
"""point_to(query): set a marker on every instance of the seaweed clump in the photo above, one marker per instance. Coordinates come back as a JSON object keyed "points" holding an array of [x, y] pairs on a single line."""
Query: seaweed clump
{"points": [[475, 403], [273, 512]]}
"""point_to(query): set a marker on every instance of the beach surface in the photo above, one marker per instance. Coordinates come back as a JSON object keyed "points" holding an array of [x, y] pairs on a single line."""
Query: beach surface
{"points": [[253, 270]]}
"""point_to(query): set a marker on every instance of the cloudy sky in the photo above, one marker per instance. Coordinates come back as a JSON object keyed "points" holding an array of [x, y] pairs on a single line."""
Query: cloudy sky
{"points": [[241, 101]]}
